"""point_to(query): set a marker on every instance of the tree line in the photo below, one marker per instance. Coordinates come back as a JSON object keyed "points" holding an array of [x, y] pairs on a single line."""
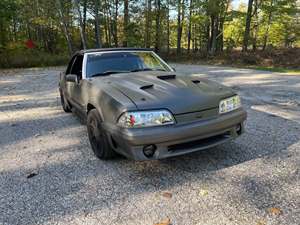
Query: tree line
{"points": [[208, 26]]}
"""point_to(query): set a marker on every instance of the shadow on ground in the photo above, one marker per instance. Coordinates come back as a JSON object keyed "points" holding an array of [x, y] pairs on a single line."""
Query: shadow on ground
{"points": [[72, 182]]}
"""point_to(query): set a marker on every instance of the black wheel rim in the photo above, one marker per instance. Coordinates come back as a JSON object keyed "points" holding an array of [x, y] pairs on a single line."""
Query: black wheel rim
{"points": [[96, 135]]}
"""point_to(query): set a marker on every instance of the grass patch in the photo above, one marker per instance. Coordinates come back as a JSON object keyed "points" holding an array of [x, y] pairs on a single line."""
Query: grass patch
{"points": [[285, 61], [31, 58]]}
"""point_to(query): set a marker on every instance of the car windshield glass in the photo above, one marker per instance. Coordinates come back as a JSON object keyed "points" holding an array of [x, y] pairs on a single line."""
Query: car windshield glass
{"points": [[100, 63]]}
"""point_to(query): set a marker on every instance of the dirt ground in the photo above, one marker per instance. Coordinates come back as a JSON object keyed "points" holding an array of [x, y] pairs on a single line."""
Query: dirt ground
{"points": [[48, 174]]}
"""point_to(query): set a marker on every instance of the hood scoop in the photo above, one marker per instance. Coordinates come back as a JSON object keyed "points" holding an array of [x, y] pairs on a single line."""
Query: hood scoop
{"points": [[148, 86], [175, 92], [167, 77]]}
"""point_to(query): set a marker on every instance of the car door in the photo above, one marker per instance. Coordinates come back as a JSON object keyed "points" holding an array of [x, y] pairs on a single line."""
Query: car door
{"points": [[74, 89]]}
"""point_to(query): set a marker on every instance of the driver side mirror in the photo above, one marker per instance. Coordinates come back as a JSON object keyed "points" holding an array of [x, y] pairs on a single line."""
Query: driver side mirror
{"points": [[72, 78], [174, 69]]}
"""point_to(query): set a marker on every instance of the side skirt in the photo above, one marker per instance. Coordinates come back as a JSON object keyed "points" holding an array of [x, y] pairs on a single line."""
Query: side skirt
{"points": [[79, 112]]}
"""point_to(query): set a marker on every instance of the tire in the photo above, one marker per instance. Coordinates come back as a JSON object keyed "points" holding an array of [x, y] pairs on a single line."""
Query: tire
{"points": [[64, 103], [98, 137]]}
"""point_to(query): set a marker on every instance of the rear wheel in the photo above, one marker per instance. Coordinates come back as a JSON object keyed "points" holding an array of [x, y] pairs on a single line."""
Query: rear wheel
{"points": [[64, 103], [97, 136]]}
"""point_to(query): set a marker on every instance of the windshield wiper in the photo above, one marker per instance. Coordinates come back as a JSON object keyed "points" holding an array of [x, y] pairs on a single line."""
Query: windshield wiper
{"points": [[143, 69], [159, 69], [146, 69], [109, 72]]}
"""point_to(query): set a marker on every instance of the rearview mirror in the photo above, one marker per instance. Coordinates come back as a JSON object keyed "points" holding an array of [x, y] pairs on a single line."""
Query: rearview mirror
{"points": [[72, 78]]}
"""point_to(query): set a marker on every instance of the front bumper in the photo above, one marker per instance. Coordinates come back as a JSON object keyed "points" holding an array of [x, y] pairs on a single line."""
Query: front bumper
{"points": [[177, 139]]}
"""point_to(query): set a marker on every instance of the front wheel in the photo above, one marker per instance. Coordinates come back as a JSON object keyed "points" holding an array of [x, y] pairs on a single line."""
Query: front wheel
{"points": [[97, 136]]}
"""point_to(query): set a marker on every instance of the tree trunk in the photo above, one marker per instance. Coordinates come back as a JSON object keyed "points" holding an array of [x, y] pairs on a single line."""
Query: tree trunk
{"points": [[193, 38], [64, 27], [148, 23], [3, 33], [255, 26], [208, 39], [106, 25], [157, 29], [29, 30], [214, 30], [222, 16], [82, 34], [97, 25], [126, 23], [266, 35], [116, 23], [168, 27], [84, 16], [248, 25], [179, 26], [111, 30], [109, 22], [190, 25], [14, 30], [220, 37]]}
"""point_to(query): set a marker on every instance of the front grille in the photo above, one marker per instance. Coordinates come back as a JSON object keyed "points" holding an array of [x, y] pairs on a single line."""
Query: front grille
{"points": [[197, 116], [201, 143]]}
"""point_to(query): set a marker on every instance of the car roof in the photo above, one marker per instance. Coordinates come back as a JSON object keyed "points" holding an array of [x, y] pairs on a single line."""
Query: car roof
{"points": [[81, 52]]}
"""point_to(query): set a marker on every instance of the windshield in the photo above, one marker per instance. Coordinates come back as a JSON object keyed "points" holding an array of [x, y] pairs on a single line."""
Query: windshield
{"points": [[112, 62]]}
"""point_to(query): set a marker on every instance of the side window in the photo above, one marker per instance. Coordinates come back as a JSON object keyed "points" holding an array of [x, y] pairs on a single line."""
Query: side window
{"points": [[70, 65], [77, 66]]}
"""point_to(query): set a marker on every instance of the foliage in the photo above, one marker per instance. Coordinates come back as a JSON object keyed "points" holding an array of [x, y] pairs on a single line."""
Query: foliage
{"points": [[21, 58], [208, 27]]}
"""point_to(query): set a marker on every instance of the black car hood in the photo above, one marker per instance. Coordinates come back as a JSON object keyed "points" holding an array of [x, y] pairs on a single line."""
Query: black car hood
{"points": [[177, 93]]}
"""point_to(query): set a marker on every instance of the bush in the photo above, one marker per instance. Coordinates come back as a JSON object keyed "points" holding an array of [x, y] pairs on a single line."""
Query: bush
{"points": [[281, 58], [23, 58]]}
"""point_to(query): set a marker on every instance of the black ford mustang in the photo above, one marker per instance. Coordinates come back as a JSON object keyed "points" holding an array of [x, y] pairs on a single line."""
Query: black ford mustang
{"points": [[135, 104]]}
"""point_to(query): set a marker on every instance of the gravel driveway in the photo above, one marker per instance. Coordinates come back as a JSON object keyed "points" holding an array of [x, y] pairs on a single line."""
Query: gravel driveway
{"points": [[48, 174]]}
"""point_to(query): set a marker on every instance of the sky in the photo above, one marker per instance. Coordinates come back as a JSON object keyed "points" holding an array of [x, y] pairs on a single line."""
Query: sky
{"points": [[236, 3]]}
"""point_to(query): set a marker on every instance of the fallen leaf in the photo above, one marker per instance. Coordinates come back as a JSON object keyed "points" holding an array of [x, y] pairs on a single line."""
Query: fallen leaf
{"points": [[275, 211], [86, 213], [166, 221], [203, 192], [167, 195], [261, 222], [31, 175]]}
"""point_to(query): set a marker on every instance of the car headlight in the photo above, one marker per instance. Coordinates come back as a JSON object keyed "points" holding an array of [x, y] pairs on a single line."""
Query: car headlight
{"points": [[146, 119], [230, 104]]}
